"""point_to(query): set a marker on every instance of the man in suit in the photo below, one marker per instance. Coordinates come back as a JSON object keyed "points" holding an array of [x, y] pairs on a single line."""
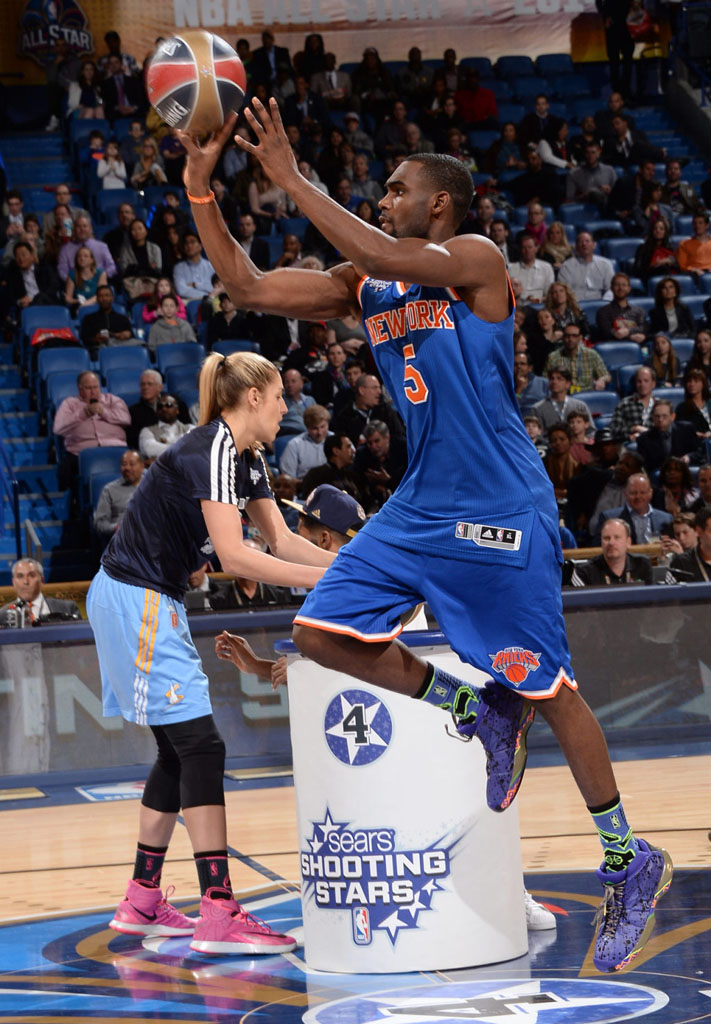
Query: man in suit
{"points": [[123, 94], [644, 521], [627, 146], [665, 437], [30, 606], [13, 226], [334, 87], [266, 59], [615, 565], [538, 124], [28, 281], [256, 248], [62, 197], [305, 107]]}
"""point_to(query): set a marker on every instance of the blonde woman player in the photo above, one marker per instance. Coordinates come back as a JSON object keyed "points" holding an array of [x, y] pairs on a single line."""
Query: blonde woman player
{"points": [[190, 503]]}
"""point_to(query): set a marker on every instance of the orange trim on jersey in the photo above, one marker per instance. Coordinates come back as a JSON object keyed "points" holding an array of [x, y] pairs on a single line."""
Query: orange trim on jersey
{"points": [[511, 292], [329, 627], [401, 284], [454, 294], [152, 639], [553, 689], [146, 637], [359, 288]]}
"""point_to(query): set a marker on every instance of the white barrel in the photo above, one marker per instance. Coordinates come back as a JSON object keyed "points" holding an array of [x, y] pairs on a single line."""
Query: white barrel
{"points": [[403, 865]]}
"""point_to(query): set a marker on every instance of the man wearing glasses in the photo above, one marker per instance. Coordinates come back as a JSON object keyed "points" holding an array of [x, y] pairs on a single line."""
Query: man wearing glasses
{"points": [[154, 440], [587, 370]]}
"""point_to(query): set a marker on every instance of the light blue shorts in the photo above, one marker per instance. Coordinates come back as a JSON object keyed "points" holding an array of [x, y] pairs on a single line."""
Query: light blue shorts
{"points": [[151, 672], [505, 619]]}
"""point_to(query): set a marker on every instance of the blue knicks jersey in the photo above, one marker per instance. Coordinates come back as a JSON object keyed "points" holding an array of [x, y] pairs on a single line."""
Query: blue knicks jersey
{"points": [[163, 538], [474, 480]]}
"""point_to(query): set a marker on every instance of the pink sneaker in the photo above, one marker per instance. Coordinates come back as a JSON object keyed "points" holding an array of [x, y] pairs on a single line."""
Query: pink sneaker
{"points": [[224, 927], [145, 911]]}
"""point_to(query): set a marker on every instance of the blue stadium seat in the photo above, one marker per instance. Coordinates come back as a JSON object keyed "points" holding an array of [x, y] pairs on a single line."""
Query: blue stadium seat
{"points": [[683, 348], [294, 226], [58, 360], [228, 346], [637, 286], [683, 224], [644, 302], [124, 357], [611, 228], [514, 67], [84, 126], [179, 379], [575, 213], [482, 64], [696, 305], [582, 106], [590, 308], [500, 88], [705, 284], [570, 87], [527, 87], [60, 386], [153, 195], [482, 138], [124, 382], [674, 395], [555, 64], [280, 444], [33, 317], [109, 200], [618, 353], [625, 377], [685, 282], [97, 460], [183, 353], [600, 403], [511, 112], [193, 309], [39, 200], [619, 248]]}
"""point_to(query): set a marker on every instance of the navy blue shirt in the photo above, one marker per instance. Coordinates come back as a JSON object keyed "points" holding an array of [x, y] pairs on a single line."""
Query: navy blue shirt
{"points": [[163, 538]]}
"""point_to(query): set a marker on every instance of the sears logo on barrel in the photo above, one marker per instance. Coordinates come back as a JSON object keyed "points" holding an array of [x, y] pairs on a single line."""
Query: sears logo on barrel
{"points": [[382, 884]]}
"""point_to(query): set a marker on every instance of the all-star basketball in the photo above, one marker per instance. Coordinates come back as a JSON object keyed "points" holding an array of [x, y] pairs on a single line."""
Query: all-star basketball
{"points": [[195, 80]]}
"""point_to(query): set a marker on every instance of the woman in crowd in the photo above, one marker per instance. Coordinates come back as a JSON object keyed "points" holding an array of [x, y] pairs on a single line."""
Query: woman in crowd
{"points": [[670, 315], [544, 337], [701, 356], [562, 303], [556, 247], [655, 255], [83, 280], [664, 362], [139, 256], [560, 464], [650, 208], [373, 85], [329, 161], [696, 407], [557, 151], [505, 153], [58, 234], [172, 250], [267, 202], [678, 486], [111, 168], [84, 96], [194, 490], [312, 58], [148, 170], [366, 211], [164, 286]]}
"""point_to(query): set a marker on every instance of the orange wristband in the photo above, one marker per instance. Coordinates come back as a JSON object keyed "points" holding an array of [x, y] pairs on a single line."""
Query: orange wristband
{"points": [[200, 199]]}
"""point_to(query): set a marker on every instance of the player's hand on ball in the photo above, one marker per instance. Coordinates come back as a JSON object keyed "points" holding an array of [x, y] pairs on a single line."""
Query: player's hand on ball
{"points": [[202, 156], [273, 149]]}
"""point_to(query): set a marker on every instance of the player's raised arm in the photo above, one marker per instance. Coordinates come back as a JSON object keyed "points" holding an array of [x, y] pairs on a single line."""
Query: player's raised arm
{"points": [[418, 218], [306, 294]]}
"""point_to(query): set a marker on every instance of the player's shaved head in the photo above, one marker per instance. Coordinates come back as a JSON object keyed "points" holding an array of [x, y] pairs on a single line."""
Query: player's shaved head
{"points": [[447, 174]]}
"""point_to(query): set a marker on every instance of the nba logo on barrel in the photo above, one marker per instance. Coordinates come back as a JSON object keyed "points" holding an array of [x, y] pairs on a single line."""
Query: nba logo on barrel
{"points": [[514, 663], [361, 926]]}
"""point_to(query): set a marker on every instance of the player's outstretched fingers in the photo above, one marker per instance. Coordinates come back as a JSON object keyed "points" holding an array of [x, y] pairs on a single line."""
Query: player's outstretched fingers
{"points": [[254, 122]]}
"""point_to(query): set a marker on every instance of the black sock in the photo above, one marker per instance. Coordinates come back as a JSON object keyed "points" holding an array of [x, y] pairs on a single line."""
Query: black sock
{"points": [[213, 873], [149, 864]]}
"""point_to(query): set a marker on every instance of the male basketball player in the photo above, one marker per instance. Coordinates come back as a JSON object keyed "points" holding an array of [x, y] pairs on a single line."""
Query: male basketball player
{"points": [[477, 537]]}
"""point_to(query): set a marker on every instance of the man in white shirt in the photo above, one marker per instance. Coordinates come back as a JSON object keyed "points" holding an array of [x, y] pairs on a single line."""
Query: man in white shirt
{"points": [[536, 276], [193, 275], [30, 605], [589, 276], [154, 440]]}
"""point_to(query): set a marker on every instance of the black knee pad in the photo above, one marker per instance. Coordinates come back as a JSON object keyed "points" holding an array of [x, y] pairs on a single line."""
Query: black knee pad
{"points": [[162, 789], [201, 751]]}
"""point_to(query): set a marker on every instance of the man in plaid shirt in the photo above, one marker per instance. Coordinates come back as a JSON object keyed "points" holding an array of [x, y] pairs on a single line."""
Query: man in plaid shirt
{"points": [[633, 415], [587, 370]]}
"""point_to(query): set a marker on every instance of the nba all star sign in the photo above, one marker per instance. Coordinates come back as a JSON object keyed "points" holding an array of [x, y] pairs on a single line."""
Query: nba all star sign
{"points": [[43, 22]]}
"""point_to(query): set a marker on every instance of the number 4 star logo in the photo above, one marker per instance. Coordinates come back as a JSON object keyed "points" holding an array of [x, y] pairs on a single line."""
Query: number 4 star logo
{"points": [[358, 727]]}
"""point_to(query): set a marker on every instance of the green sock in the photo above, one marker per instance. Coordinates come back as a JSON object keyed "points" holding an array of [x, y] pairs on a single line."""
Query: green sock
{"points": [[449, 693], [618, 842]]}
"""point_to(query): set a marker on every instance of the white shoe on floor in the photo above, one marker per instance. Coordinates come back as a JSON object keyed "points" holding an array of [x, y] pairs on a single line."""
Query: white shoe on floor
{"points": [[53, 124], [538, 918]]}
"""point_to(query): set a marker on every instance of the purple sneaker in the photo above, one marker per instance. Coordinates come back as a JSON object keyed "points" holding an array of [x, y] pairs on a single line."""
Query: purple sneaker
{"points": [[501, 725], [626, 914]]}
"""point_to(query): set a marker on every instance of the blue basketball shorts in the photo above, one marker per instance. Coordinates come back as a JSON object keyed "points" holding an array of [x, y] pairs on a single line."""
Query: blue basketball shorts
{"points": [[151, 672], [504, 620]]}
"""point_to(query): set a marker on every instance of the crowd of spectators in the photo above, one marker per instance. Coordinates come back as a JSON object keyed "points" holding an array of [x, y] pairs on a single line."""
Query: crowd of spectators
{"points": [[348, 133]]}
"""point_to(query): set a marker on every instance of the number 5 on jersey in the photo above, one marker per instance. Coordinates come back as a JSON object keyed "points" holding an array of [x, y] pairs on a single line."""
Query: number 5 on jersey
{"points": [[416, 391]]}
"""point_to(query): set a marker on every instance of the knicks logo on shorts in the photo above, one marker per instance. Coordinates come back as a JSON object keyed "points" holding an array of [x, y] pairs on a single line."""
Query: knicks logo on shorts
{"points": [[514, 663]]}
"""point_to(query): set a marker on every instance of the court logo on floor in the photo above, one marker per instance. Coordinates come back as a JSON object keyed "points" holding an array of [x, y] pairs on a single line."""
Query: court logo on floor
{"points": [[502, 1001], [358, 727]]}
